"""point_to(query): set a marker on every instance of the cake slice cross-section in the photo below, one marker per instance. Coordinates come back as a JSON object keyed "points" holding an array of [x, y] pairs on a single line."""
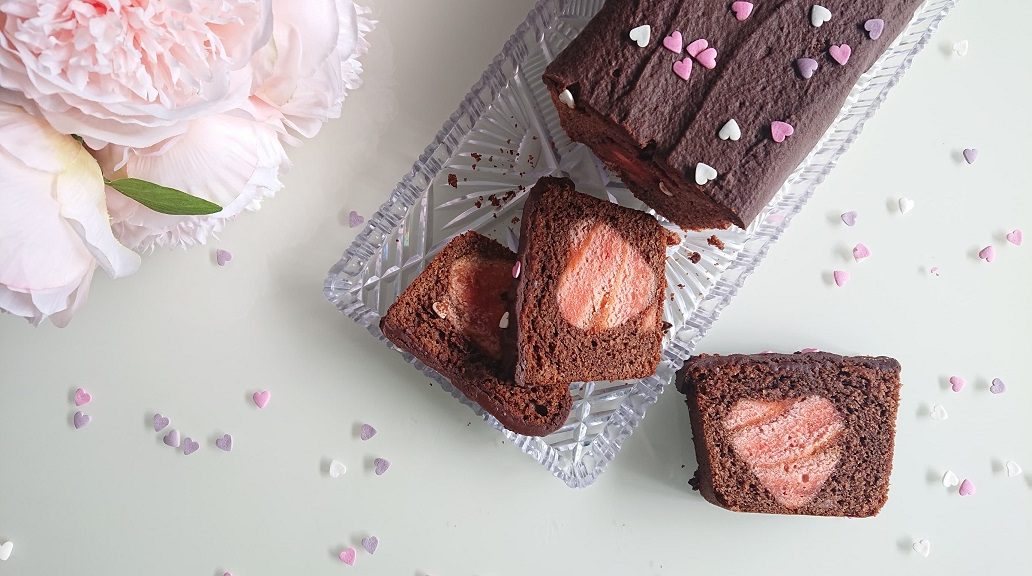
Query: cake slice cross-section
{"points": [[801, 433], [453, 317]]}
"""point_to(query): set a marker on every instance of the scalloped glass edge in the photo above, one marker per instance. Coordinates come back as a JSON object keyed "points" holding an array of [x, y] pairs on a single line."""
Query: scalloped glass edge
{"points": [[590, 460]]}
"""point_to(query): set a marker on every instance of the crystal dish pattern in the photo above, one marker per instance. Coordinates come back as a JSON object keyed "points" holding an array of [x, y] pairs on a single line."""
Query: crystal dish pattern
{"points": [[504, 136]]}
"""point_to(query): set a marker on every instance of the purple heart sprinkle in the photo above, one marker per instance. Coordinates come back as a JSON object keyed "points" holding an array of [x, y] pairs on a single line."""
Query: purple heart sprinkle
{"points": [[189, 446], [225, 443], [998, 386], [80, 420], [807, 67], [172, 438], [370, 543], [380, 466], [874, 27], [223, 257], [160, 422], [970, 155], [367, 432], [849, 218], [355, 219]]}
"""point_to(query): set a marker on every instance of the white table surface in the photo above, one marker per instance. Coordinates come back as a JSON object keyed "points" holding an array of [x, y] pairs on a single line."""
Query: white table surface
{"points": [[193, 341]]}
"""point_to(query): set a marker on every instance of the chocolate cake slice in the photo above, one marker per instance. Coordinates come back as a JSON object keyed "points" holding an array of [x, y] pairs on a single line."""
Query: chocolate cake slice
{"points": [[589, 293], [800, 433], [451, 319], [705, 110]]}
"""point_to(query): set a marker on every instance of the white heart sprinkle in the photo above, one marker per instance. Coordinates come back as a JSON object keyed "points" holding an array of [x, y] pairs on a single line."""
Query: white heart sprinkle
{"points": [[905, 205], [731, 131], [504, 322], [566, 97], [939, 412], [5, 550], [819, 15], [666, 191], [337, 469], [642, 35], [923, 547], [704, 173], [949, 479], [1013, 469], [961, 48]]}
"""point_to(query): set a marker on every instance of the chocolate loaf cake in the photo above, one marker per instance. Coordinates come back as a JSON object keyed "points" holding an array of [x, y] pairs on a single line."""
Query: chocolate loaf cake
{"points": [[793, 433], [590, 287], [451, 318], [704, 109]]}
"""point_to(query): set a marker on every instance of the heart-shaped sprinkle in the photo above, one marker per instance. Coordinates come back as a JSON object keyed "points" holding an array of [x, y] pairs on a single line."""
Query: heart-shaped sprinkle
{"points": [[189, 446], [780, 130], [961, 48], [337, 469], [504, 322], [860, 251], [516, 269], [666, 191], [934, 271], [172, 438], [967, 488], [970, 155], [923, 547], [998, 386], [708, 58], [674, 42], [367, 432], [704, 174], [370, 543], [642, 35], [224, 443], [347, 556], [874, 27], [261, 399], [223, 257], [566, 97], [82, 397], [80, 420], [957, 383], [939, 413], [440, 308], [683, 68], [905, 205], [819, 15], [160, 422], [5, 550], [1015, 238], [841, 278], [696, 47], [809, 351], [742, 10], [988, 254], [1013, 469], [355, 219], [380, 466], [730, 131], [807, 67], [849, 218], [949, 479], [840, 53]]}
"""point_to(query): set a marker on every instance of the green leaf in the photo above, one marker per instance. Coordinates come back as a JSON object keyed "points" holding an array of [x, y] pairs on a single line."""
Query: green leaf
{"points": [[162, 199]]}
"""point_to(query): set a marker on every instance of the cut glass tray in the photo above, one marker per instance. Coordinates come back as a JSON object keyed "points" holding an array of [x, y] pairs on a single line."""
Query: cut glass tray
{"points": [[475, 176]]}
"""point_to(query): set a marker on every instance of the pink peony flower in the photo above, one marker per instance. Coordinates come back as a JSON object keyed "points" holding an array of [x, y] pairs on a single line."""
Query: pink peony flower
{"points": [[128, 72], [54, 228]]}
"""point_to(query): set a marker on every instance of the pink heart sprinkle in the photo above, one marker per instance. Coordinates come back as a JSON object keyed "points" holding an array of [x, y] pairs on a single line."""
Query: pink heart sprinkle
{"points": [[674, 42], [998, 387], [967, 488], [841, 278], [780, 130], [223, 257], [516, 268], [347, 556], [988, 254], [380, 466], [708, 58], [742, 10], [970, 155], [849, 218], [261, 399], [809, 350], [840, 53], [683, 68], [355, 219], [807, 67], [82, 397], [957, 383], [370, 543], [698, 46], [1015, 238], [860, 251], [367, 432], [874, 27], [934, 271]]}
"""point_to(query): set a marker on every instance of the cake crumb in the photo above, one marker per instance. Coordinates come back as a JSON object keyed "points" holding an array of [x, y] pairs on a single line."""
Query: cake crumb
{"points": [[453, 180], [477, 157], [715, 242], [695, 257]]}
